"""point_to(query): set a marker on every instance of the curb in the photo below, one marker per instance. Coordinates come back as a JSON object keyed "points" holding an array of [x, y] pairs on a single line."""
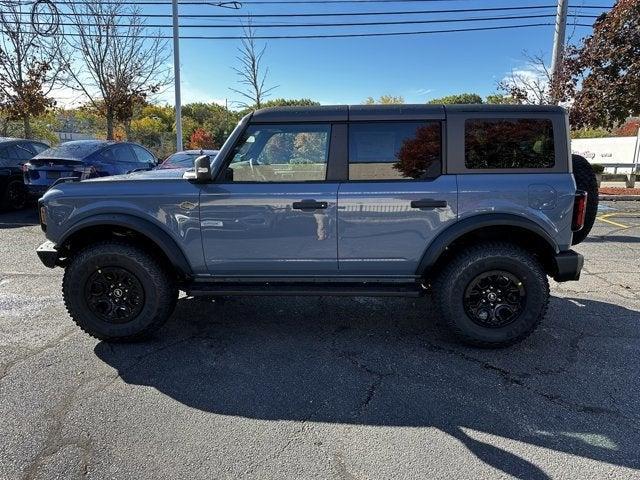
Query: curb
{"points": [[622, 198]]}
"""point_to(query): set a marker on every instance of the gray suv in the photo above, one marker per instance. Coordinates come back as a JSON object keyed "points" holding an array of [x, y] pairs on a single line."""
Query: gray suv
{"points": [[473, 205]]}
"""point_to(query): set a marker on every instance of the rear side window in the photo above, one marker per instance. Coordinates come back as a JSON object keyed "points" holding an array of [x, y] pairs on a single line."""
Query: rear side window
{"points": [[509, 143], [123, 153], [395, 150]]}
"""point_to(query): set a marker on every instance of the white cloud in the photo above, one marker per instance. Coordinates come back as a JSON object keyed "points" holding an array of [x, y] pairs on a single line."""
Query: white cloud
{"points": [[423, 91]]}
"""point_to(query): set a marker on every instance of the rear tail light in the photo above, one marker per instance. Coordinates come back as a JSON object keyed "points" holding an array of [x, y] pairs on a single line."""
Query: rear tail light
{"points": [[579, 210]]}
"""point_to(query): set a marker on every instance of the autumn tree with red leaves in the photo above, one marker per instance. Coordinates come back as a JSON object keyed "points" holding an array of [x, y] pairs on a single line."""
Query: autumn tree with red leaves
{"points": [[200, 139], [604, 71]]}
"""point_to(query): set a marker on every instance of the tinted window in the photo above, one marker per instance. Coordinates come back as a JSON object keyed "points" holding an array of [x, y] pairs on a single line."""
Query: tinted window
{"points": [[282, 153], [143, 155], [123, 153], [16, 152], [21, 151], [395, 150], [509, 143], [38, 147]]}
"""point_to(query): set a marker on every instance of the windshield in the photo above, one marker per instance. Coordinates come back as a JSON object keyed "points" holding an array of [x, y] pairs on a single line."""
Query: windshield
{"points": [[183, 160]]}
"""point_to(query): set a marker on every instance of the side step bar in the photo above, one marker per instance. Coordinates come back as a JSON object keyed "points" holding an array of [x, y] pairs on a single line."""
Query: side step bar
{"points": [[305, 289]]}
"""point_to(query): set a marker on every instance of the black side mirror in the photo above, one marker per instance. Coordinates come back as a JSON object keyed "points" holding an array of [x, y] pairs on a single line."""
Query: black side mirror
{"points": [[203, 168]]}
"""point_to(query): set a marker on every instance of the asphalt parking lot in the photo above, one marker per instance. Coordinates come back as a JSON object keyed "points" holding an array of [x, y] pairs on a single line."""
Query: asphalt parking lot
{"points": [[323, 387]]}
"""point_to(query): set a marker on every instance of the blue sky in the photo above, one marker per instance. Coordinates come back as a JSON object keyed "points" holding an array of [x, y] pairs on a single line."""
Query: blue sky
{"points": [[349, 70]]}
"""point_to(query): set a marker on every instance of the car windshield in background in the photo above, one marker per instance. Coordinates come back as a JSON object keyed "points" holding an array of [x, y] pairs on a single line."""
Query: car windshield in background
{"points": [[71, 150], [184, 159]]}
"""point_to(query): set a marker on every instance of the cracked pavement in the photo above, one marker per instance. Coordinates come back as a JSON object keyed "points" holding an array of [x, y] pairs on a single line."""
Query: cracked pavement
{"points": [[322, 388]]}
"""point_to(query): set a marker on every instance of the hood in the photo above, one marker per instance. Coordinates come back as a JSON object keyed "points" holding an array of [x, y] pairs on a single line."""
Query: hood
{"points": [[146, 175]]}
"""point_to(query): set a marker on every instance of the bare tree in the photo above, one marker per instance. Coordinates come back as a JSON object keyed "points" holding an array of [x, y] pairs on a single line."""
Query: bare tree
{"points": [[251, 72], [535, 84], [119, 62], [31, 66]]}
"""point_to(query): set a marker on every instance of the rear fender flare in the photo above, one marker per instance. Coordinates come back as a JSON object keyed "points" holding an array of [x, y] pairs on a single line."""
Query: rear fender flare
{"points": [[438, 246]]}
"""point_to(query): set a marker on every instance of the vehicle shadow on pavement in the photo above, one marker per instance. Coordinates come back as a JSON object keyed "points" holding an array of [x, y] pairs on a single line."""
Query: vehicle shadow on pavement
{"points": [[571, 387], [19, 218]]}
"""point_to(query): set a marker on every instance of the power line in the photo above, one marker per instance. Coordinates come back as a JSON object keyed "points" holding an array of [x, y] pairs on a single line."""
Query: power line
{"points": [[350, 24], [346, 35], [324, 14]]}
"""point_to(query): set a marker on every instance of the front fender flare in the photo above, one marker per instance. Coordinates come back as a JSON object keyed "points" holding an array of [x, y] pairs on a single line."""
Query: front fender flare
{"points": [[144, 227], [468, 225]]}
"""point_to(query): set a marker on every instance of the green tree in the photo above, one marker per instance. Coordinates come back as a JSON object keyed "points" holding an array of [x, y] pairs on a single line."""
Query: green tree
{"points": [[604, 72], [500, 99], [385, 100], [461, 98]]}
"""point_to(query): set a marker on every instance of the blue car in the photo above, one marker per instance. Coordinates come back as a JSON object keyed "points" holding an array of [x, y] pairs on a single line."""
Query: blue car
{"points": [[84, 159]]}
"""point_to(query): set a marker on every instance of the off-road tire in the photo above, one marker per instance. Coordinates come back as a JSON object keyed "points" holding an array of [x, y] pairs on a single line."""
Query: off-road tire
{"points": [[585, 180], [160, 290], [450, 285], [14, 194]]}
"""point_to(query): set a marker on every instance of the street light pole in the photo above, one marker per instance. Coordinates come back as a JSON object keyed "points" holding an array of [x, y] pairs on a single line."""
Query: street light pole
{"points": [[176, 75], [559, 38]]}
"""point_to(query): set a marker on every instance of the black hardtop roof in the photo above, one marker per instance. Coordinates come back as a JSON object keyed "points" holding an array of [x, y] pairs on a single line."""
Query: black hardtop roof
{"points": [[343, 113]]}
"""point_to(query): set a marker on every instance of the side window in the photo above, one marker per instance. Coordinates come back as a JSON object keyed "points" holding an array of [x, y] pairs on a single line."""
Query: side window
{"points": [[105, 156], [123, 153], [143, 155], [395, 150], [282, 153], [508, 143], [38, 147], [23, 151]]}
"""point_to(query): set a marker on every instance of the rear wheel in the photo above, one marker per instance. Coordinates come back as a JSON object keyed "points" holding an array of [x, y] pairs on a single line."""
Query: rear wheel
{"points": [[14, 196], [585, 180], [116, 291], [491, 295]]}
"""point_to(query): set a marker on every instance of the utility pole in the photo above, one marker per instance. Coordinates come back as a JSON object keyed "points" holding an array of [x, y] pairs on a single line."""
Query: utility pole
{"points": [[559, 39], [176, 75]]}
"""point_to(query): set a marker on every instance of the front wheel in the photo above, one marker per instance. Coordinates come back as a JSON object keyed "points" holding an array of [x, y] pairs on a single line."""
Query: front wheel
{"points": [[117, 292], [492, 295]]}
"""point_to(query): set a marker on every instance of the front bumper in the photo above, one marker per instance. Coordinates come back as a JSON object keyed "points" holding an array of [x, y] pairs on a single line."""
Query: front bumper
{"points": [[48, 254], [568, 266]]}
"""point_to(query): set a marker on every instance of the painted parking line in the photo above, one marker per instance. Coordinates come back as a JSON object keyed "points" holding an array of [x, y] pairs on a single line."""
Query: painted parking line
{"points": [[605, 218]]}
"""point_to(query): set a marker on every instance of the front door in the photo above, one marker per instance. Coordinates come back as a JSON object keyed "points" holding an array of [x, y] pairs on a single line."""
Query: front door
{"points": [[396, 200], [274, 214]]}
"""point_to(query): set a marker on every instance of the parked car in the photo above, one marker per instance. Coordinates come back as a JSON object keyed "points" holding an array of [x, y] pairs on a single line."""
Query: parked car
{"points": [[474, 205], [14, 152], [84, 159], [185, 158]]}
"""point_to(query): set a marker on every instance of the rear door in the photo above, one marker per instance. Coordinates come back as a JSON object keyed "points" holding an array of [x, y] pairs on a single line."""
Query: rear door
{"points": [[274, 212], [397, 198]]}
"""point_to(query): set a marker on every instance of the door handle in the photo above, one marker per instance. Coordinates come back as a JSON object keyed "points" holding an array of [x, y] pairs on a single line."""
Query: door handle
{"points": [[428, 203], [309, 205]]}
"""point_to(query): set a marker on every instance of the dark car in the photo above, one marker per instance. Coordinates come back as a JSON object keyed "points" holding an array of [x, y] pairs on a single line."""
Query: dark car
{"points": [[185, 158], [14, 152], [84, 159]]}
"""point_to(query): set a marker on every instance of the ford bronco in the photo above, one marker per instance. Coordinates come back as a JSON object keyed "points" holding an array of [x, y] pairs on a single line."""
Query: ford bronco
{"points": [[474, 205]]}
